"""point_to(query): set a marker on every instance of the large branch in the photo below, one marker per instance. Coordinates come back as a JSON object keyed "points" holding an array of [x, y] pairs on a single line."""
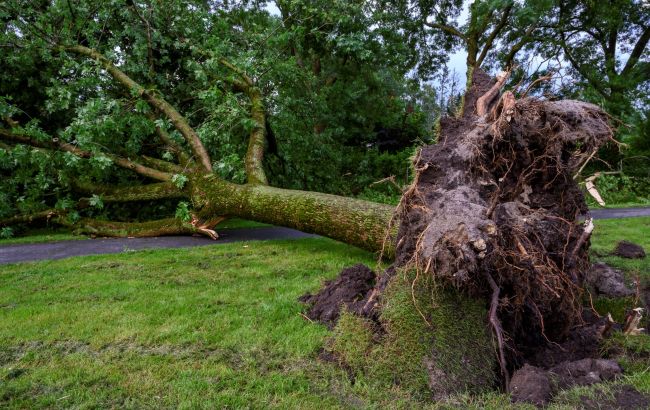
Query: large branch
{"points": [[29, 218], [510, 57], [119, 161], [493, 35], [161, 164], [180, 123], [447, 29], [639, 47], [161, 227], [257, 138], [150, 192], [583, 72], [169, 143]]}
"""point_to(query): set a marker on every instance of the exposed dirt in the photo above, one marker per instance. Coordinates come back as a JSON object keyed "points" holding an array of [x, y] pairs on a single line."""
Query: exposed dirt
{"points": [[531, 384], [585, 372], [496, 201], [625, 397], [607, 281], [535, 385], [348, 290], [630, 250], [583, 342]]}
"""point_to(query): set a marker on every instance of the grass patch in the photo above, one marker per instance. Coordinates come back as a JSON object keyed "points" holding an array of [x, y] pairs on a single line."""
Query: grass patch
{"points": [[453, 343], [204, 327], [42, 235], [219, 326], [608, 232]]}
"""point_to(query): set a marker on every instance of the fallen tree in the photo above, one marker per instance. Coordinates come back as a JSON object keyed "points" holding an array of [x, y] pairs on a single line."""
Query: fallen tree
{"points": [[491, 214], [357, 222]]}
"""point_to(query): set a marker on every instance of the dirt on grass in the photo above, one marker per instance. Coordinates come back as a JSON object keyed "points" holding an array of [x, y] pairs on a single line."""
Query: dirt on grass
{"points": [[348, 291], [607, 281], [625, 397], [629, 250]]}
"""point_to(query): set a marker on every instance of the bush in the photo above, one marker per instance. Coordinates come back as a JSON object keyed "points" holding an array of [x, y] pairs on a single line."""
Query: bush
{"points": [[622, 189]]}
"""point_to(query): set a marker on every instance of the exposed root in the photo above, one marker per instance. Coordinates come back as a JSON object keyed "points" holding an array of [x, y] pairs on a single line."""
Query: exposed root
{"points": [[497, 199], [498, 330]]}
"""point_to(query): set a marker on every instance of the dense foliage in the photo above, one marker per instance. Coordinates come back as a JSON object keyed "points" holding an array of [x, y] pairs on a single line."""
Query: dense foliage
{"points": [[349, 87]]}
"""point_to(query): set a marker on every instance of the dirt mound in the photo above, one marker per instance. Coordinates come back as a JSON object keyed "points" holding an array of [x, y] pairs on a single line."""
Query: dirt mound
{"points": [[492, 212], [531, 384], [630, 250], [492, 215], [348, 290], [537, 386], [607, 281]]}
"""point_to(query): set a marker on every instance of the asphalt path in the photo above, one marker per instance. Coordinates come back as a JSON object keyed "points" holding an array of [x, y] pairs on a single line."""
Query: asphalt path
{"points": [[64, 249]]}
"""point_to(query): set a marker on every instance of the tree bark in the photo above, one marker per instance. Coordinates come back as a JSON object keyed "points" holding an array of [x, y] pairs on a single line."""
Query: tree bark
{"points": [[353, 221]]}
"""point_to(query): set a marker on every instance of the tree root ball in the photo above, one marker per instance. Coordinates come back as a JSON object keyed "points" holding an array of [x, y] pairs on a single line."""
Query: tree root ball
{"points": [[492, 215]]}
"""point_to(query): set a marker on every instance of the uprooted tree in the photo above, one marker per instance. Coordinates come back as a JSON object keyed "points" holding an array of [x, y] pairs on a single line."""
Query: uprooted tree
{"points": [[492, 214]]}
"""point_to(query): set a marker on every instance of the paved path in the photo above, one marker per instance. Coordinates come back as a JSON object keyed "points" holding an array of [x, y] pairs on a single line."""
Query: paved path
{"points": [[619, 213], [65, 249]]}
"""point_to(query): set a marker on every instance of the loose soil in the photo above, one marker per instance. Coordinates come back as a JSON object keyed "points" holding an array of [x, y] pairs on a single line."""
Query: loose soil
{"points": [[626, 249], [625, 397]]}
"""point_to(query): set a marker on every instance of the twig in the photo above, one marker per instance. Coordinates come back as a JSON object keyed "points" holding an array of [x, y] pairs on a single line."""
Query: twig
{"points": [[305, 317]]}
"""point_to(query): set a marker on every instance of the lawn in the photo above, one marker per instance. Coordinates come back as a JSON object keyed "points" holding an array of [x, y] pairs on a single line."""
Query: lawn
{"points": [[208, 327]]}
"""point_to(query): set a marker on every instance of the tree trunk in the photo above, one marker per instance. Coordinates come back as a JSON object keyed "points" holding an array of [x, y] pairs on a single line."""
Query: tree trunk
{"points": [[353, 221]]}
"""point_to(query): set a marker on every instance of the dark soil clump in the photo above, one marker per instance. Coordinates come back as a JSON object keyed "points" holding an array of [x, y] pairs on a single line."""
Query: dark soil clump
{"points": [[537, 386], [347, 290], [585, 372], [626, 249], [607, 281], [531, 384]]}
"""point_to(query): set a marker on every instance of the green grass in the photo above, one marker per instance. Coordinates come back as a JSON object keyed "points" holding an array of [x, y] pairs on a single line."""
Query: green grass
{"points": [[42, 235], [205, 327], [214, 327], [609, 231]]}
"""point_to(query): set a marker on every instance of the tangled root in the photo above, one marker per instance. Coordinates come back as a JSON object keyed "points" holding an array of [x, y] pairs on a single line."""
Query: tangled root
{"points": [[495, 201]]}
